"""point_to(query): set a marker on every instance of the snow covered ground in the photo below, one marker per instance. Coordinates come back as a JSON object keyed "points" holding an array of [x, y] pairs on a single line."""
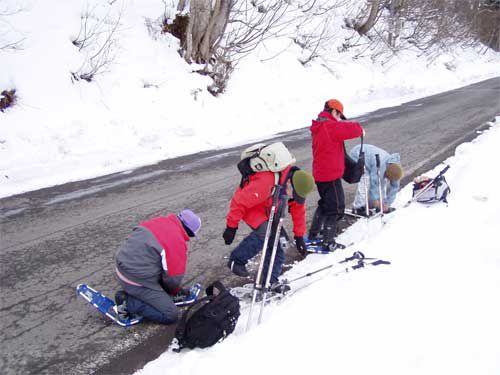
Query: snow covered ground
{"points": [[149, 105], [434, 310]]}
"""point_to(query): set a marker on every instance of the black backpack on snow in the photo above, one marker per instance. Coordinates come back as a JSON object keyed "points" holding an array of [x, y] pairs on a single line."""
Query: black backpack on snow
{"points": [[210, 323]]}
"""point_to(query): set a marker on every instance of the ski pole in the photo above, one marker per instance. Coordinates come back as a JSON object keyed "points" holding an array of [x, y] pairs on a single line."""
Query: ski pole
{"points": [[428, 186], [357, 255], [380, 198], [363, 263], [360, 264], [270, 266], [276, 195], [366, 179]]}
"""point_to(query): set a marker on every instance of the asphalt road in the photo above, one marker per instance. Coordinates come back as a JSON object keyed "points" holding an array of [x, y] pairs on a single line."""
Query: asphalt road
{"points": [[56, 238]]}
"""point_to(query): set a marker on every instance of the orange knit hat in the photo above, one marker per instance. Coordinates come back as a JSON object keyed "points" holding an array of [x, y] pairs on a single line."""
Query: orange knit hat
{"points": [[337, 105]]}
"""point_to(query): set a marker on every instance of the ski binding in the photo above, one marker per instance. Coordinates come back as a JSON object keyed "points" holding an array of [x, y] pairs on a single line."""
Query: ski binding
{"points": [[316, 246]]}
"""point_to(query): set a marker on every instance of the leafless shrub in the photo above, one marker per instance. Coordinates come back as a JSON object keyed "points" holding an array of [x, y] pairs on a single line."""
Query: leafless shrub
{"points": [[219, 33], [385, 27], [10, 39], [315, 31], [7, 99], [98, 41], [251, 24]]}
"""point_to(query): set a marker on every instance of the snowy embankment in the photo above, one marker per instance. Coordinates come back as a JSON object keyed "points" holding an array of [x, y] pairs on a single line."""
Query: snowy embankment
{"points": [[148, 105], [434, 310]]}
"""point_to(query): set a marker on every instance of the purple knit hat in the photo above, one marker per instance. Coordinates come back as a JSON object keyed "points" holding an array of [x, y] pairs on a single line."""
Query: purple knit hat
{"points": [[190, 220]]}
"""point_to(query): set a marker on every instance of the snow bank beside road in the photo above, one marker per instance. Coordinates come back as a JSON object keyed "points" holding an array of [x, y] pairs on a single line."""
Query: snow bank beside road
{"points": [[432, 311]]}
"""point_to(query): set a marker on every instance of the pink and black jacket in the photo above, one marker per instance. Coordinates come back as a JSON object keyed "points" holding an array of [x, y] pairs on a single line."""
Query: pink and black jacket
{"points": [[154, 254]]}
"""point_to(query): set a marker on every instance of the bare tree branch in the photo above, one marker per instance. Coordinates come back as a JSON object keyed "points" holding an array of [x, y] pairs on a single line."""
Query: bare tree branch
{"points": [[98, 41], [7, 30]]}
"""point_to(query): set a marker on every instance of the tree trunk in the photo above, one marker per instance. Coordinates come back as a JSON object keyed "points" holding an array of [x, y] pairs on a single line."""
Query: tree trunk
{"points": [[394, 21], [205, 28], [371, 20]]}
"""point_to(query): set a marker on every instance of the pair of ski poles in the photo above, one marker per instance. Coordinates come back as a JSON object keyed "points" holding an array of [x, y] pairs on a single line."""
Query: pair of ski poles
{"points": [[357, 255], [278, 212], [366, 183], [360, 262]]}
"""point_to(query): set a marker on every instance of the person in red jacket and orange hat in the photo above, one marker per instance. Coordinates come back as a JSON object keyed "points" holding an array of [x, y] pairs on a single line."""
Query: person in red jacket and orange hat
{"points": [[328, 136], [252, 203], [150, 266]]}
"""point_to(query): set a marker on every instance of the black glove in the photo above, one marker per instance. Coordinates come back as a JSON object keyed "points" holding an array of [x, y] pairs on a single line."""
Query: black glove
{"points": [[181, 295], [300, 245], [229, 234]]}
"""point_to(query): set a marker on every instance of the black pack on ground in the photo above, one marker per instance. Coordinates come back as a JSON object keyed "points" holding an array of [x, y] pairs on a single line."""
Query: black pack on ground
{"points": [[215, 318]]}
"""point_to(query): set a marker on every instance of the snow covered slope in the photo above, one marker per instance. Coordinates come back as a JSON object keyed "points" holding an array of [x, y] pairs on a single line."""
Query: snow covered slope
{"points": [[434, 310], [148, 105]]}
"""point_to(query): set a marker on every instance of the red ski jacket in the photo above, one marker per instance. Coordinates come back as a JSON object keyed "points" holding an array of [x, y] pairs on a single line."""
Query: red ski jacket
{"points": [[328, 136], [253, 203], [172, 237]]}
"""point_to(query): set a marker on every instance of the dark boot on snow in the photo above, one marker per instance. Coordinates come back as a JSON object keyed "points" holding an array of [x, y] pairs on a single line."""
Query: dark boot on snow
{"points": [[316, 224], [329, 234], [121, 305], [238, 269]]}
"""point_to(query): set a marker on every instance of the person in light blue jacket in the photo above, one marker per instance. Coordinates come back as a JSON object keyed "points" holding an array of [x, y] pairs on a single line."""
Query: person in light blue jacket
{"points": [[390, 174]]}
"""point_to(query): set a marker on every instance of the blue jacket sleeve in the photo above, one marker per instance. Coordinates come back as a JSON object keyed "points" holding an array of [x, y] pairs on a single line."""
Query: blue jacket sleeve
{"points": [[393, 187], [392, 191]]}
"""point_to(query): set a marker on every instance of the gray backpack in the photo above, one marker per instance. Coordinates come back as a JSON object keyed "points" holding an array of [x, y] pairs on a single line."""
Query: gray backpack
{"points": [[437, 191]]}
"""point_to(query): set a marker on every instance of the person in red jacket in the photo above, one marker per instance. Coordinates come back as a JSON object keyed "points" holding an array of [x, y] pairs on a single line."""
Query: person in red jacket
{"points": [[328, 136], [252, 203], [150, 266]]}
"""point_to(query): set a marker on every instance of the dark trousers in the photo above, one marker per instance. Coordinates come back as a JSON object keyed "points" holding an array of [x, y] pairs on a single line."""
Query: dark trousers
{"points": [[151, 304], [252, 245], [332, 200], [331, 208]]}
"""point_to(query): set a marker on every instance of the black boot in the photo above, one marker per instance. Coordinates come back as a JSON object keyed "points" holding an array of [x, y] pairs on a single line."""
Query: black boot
{"points": [[317, 224], [329, 233], [238, 269], [121, 305]]}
